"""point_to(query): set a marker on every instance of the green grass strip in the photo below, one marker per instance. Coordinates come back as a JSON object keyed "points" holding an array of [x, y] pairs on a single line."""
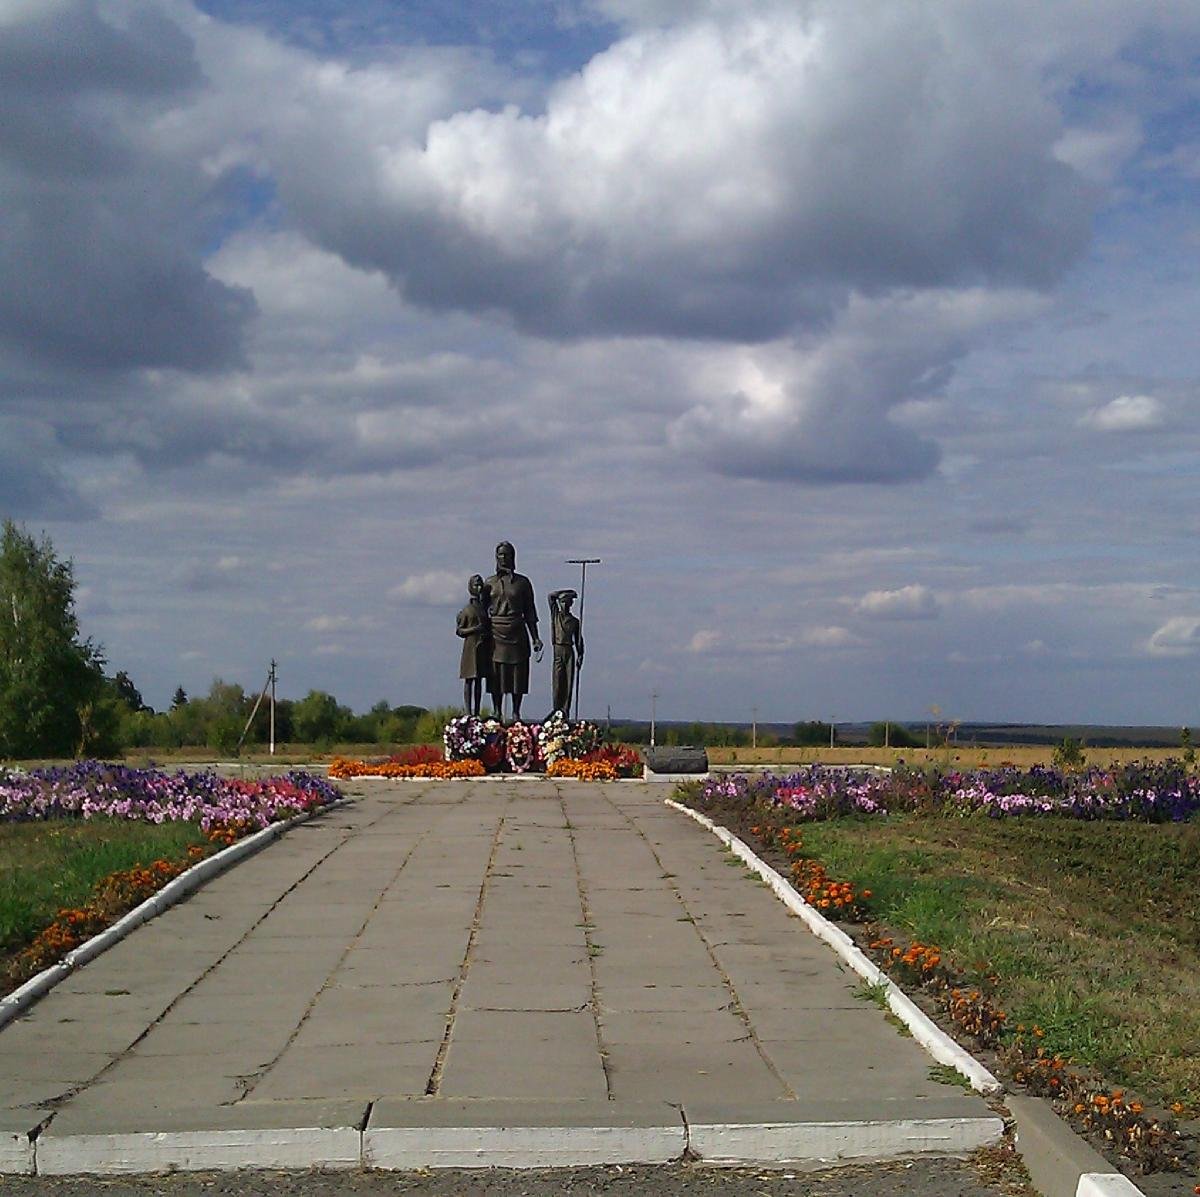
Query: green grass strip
{"points": [[46, 866], [1093, 929]]}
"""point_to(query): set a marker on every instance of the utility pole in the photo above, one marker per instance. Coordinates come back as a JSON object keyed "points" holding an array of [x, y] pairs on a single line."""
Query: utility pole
{"points": [[754, 727], [268, 687], [832, 732], [653, 710], [583, 563]]}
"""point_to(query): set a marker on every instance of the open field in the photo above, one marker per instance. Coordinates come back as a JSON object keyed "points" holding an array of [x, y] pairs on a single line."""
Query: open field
{"points": [[958, 756]]}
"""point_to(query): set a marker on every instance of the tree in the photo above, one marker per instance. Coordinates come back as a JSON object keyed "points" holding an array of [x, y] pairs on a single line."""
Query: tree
{"points": [[894, 735], [49, 677], [127, 692], [179, 698], [812, 732], [315, 717]]}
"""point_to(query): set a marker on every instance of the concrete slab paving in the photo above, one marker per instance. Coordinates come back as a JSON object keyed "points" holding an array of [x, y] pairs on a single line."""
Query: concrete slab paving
{"points": [[462, 958]]}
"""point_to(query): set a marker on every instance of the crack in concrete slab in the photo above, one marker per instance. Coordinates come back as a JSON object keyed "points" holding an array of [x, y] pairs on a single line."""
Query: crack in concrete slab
{"points": [[254, 1079], [736, 1007], [65, 1098], [588, 926], [434, 1084]]}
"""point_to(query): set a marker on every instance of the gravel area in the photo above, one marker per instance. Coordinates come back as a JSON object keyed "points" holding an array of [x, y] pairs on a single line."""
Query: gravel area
{"points": [[989, 1174]]}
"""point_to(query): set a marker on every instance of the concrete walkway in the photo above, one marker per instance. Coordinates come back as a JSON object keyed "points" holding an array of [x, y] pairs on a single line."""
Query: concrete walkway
{"points": [[454, 973]]}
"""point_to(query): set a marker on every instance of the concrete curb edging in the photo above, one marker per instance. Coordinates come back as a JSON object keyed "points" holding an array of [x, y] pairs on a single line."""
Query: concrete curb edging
{"points": [[1060, 1163], [412, 1147], [16, 1154], [931, 1037], [793, 1143], [1106, 1184], [193, 1151], [24, 996], [505, 1143]]}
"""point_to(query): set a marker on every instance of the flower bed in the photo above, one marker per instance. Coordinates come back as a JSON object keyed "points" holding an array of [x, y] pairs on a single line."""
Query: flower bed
{"points": [[224, 808], [114, 896], [91, 788], [444, 770], [1149, 792]]}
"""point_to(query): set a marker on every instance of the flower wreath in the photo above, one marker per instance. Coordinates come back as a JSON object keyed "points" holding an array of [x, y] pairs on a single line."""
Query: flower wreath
{"points": [[467, 736], [522, 748]]}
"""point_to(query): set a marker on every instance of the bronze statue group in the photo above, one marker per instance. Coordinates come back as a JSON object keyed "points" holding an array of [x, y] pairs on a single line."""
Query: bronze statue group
{"points": [[499, 631]]}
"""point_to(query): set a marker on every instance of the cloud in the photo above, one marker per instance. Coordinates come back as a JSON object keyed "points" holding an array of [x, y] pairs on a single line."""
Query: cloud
{"points": [[820, 411], [340, 623], [203, 577], [704, 641], [831, 636], [909, 602], [32, 485], [100, 267], [1127, 413], [1001, 524], [436, 588], [1178, 637], [735, 175]]}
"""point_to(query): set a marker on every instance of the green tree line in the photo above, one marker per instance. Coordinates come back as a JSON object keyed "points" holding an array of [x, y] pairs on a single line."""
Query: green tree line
{"points": [[217, 720]]}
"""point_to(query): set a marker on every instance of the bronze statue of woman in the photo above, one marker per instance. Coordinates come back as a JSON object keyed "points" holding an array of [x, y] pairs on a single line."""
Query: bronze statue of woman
{"points": [[475, 629], [514, 624]]}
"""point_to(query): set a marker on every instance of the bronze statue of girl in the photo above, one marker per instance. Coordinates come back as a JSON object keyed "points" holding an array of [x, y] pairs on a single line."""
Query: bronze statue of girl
{"points": [[475, 629]]}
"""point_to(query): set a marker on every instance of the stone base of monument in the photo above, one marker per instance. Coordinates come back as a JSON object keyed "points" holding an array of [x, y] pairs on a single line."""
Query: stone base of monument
{"points": [[675, 762]]}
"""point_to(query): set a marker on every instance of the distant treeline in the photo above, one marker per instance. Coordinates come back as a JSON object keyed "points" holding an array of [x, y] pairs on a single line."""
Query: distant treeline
{"points": [[218, 719]]}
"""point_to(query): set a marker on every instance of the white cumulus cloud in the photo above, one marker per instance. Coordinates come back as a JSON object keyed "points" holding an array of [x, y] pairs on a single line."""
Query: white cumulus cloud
{"points": [[1178, 637], [831, 636], [908, 602], [436, 588], [1127, 413]]}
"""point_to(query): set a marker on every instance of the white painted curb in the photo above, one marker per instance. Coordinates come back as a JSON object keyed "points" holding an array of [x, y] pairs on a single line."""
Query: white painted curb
{"points": [[174, 891], [191, 1151], [1106, 1184], [16, 1154], [797, 1142], [408, 1148], [931, 1037]]}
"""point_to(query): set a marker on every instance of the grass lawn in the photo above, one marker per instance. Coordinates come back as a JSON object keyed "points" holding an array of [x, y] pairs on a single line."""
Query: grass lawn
{"points": [[45, 866], [1092, 928]]}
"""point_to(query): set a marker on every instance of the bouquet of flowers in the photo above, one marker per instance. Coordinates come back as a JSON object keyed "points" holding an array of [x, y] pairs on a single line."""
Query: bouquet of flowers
{"points": [[559, 738], [469, 736], [552, 737]]}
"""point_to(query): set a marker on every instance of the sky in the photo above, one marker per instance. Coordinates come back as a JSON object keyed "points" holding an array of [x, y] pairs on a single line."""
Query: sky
{"points": [[857, 338]]}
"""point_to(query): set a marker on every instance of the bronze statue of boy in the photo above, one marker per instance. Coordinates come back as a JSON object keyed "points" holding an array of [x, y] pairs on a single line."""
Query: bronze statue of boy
{"points": [[567, 636]]}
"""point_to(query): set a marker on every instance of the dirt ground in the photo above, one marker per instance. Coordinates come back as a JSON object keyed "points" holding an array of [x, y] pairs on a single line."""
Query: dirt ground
{"points": [[991, 1174]]}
